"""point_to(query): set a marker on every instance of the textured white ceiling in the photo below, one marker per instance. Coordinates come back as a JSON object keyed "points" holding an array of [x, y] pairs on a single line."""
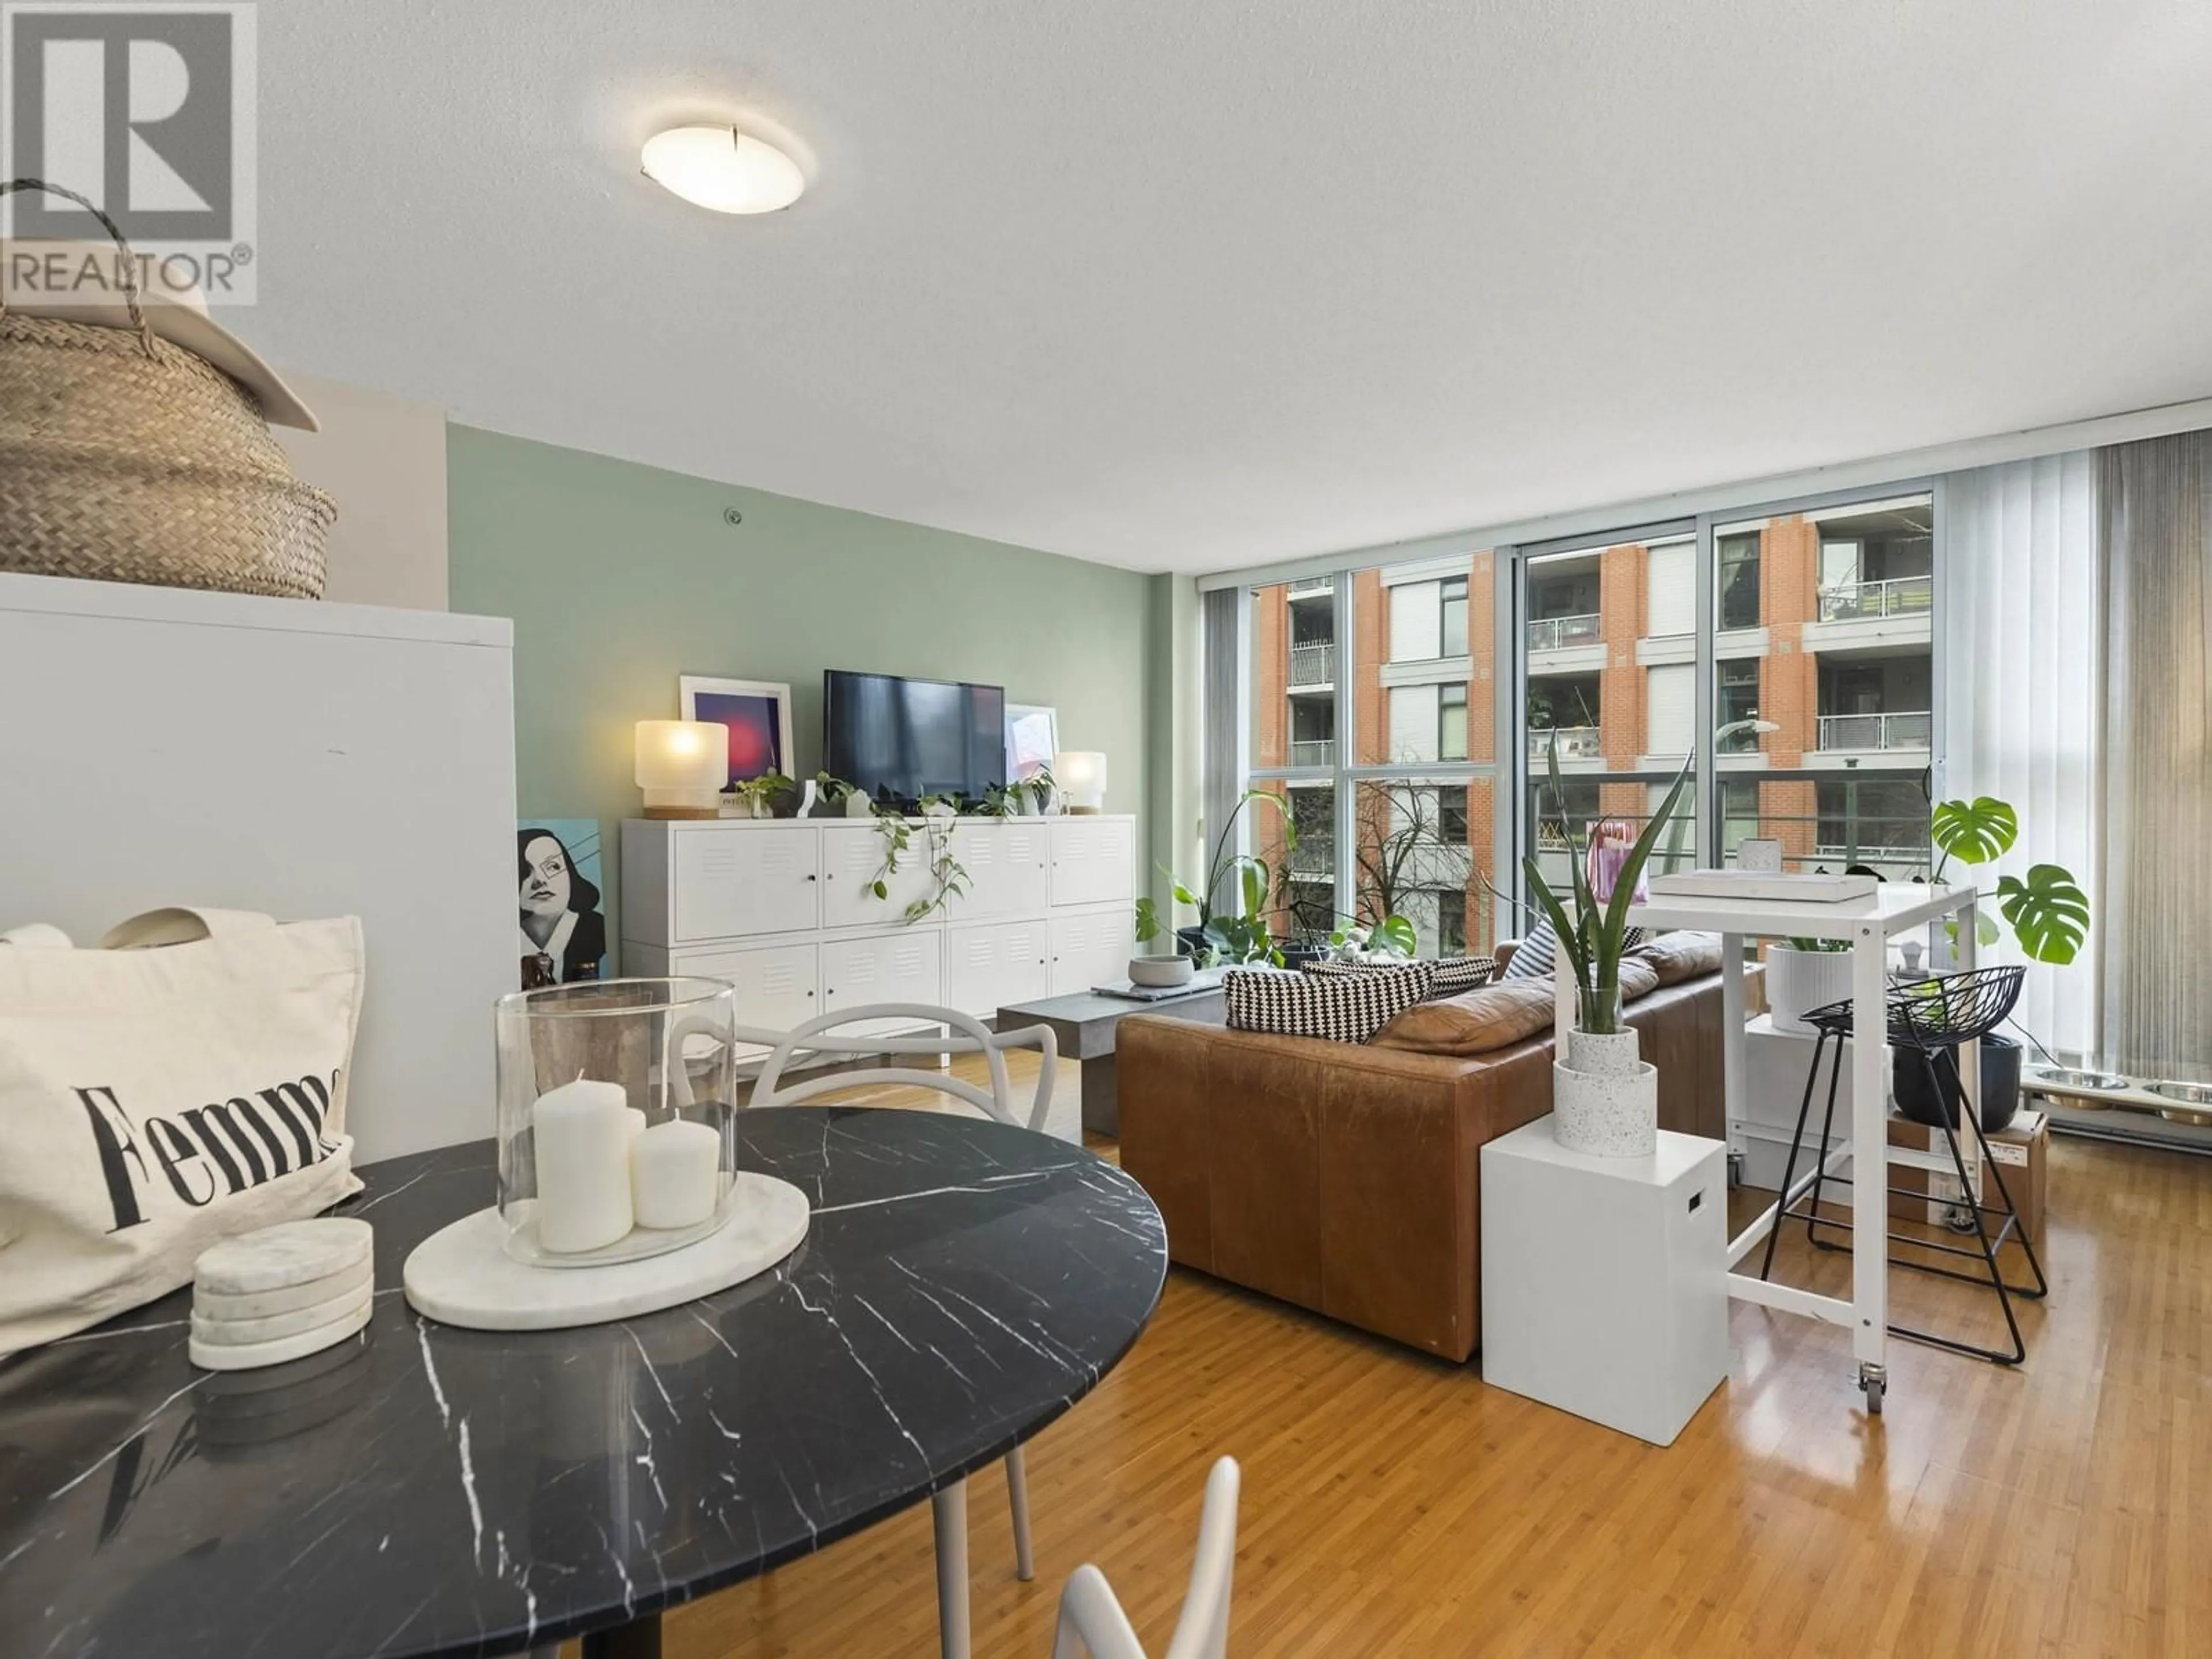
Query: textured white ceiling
{"points": [[1181, 284]]}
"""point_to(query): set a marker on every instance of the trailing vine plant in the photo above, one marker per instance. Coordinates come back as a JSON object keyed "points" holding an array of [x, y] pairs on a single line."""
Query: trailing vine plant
{"points": [[948, 879]]}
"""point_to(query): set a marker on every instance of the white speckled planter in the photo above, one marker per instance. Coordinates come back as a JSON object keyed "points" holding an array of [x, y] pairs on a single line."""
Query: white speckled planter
{"points": [[1603, 1114], [1610, 1054]]}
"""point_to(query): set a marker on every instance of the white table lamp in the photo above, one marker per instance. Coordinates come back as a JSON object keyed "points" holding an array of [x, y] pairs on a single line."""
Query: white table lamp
{"points": [[681, 767], [1081, 776]]}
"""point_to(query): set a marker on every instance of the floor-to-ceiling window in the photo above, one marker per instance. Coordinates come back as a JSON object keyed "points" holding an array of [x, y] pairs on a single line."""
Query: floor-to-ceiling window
{"points": [[1407, 711], [1824, 682], [1372, 712], [1609, 682]]}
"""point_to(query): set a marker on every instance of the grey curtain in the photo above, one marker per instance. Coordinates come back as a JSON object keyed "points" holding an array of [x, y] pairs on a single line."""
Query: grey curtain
{"points": [[2156, 506]]}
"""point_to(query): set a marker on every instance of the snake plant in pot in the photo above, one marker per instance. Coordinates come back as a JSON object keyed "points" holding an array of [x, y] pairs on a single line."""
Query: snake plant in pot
{"points": [[1605, 1097]]}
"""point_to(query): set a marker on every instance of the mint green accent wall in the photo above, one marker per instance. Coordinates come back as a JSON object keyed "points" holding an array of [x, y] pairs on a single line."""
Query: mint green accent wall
{"points": [[621, 577]]}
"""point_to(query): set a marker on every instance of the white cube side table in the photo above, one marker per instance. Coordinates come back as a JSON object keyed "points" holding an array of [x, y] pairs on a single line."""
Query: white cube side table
{"points": [[1605, 1279]]}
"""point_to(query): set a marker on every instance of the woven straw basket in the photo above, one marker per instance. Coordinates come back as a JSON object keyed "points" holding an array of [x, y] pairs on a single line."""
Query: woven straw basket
{"points": [[123, 457]]}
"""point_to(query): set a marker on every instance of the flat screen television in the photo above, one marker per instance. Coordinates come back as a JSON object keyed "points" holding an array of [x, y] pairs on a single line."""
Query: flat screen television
{"points": [[901, 740]]}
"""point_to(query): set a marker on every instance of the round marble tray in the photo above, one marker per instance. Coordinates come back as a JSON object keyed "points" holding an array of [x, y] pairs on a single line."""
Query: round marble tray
{"points": [[463, 1275]]}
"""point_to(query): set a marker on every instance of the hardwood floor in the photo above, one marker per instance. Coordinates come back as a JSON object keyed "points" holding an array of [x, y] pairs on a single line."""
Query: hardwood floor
{"points": [[1393, 1505]]}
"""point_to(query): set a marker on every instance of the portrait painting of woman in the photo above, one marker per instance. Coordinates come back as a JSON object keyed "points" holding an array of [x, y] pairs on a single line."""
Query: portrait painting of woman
{"points": [[564, 937]]}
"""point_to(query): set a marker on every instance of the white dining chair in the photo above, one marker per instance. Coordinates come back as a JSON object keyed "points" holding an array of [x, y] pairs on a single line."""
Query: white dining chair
{"points": [[1091, 1620], [964, 1035]]}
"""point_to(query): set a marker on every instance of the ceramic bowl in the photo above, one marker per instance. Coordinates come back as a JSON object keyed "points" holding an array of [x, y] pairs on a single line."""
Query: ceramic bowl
{"points": [[1160, 973]]}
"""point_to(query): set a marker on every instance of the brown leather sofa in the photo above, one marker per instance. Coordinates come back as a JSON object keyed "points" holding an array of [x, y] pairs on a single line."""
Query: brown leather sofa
{"points": [[1346, 1178]]}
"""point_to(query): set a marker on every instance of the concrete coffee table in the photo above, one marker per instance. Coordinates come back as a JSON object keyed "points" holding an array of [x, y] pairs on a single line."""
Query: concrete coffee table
{"points": [[1082, 1025]]}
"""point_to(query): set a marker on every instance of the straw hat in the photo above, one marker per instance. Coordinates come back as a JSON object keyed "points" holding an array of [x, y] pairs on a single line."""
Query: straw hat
{"points": [[77, 282]]}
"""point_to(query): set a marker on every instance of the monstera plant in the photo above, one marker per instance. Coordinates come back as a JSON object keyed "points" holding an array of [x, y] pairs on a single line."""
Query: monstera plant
{"points": [[2047, 909]]}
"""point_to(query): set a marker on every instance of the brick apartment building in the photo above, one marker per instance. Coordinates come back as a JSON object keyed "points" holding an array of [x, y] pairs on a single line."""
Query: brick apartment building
{"points": [[1822, 631]]}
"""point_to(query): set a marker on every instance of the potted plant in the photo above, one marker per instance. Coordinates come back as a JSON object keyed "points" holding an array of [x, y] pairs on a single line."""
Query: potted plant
{"points": [[1391, 939], [1803, 974], [755, 797], [1033, 794], [1605, 1097], [948, 877], [1238, 936], [2049, 915]]}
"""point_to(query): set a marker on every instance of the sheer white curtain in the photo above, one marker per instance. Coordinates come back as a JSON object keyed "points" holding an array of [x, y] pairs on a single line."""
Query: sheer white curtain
{"points": [[2024, 696]]}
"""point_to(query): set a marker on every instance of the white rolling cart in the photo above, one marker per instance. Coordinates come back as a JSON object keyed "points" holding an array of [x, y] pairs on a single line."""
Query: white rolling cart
{"points": [[1867, 925]]}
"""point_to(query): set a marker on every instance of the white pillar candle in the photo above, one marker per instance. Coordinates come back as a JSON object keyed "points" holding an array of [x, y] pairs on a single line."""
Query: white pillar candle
{"points": [[675, 1174], [582, 1135]]}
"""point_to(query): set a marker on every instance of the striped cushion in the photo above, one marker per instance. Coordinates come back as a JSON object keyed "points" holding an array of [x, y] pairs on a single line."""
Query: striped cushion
{"points": [[1537, 955], [1340, 1007]]}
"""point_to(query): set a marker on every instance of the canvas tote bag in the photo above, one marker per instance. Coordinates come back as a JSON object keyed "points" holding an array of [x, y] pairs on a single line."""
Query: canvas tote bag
{"points": [[182, 1082]]}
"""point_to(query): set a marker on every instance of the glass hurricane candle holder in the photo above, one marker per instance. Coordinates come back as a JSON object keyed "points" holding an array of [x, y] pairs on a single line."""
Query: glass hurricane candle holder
{"points": [[617, 1106]]}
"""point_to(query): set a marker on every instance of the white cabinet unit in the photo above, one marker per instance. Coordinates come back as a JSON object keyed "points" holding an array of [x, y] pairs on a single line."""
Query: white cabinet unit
{"points": [[852, 856], [160, 746], [1008, 866], [781, 907], [727, 886], [1093, 860], [993, 964], [907, 966], [1092, 947], [778, 987]]}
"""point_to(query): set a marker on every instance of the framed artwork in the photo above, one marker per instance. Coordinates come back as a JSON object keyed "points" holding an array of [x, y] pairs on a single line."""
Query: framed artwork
{"points": [[1032, 739], [564, 932], [756, 714]]}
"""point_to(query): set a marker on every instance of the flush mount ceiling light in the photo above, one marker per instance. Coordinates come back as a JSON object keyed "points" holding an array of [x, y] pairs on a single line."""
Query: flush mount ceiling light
{"points": [[723, 169]]}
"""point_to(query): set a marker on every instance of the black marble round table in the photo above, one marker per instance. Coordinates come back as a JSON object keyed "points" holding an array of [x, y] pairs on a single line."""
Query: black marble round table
{"points": [[427, 1489]]}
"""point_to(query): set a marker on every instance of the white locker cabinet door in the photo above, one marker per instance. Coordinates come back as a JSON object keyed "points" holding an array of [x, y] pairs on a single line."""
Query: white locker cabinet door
{"points": [[734, 882], [985, 969], [777, 987], [851, 855], [902, 967], [1092, 947], [1092, 860], [1008, 868]]}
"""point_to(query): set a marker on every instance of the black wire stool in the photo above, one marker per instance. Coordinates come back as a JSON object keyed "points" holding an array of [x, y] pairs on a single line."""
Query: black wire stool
{"points": [[1931, 1017]]}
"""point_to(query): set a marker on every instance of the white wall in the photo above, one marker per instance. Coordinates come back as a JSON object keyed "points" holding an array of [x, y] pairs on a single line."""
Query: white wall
{"points": [[384, 458]]}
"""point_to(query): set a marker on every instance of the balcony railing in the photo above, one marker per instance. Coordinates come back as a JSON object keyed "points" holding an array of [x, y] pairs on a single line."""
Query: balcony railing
{"points": [[1313, 665], [1554, 632], [1316, 857], [1901, 731], [1575, 742], [1899, 596], [1319, 752]]}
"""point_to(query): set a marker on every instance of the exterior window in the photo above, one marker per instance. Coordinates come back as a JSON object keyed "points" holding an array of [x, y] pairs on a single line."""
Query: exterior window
{"points": [[1738, 586], [1739, 701], [1455, 616], [1451, 814], [1451, 723]]}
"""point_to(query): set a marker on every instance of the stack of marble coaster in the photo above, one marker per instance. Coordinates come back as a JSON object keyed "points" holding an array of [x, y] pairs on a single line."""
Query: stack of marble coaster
{"points": [[281, 1293]]}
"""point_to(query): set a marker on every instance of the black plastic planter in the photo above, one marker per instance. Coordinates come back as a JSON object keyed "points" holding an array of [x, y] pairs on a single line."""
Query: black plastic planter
{"points": [[2000, 1085]]}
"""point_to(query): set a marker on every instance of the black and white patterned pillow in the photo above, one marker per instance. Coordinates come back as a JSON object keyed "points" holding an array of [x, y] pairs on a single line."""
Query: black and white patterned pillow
{"points": [[1457, 973], [1537, 956], [1453, 975], [1340, 1007]]}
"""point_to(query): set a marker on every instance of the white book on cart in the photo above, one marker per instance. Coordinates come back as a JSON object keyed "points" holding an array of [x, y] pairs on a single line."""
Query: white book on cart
{"points": [[1807, 889]]}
